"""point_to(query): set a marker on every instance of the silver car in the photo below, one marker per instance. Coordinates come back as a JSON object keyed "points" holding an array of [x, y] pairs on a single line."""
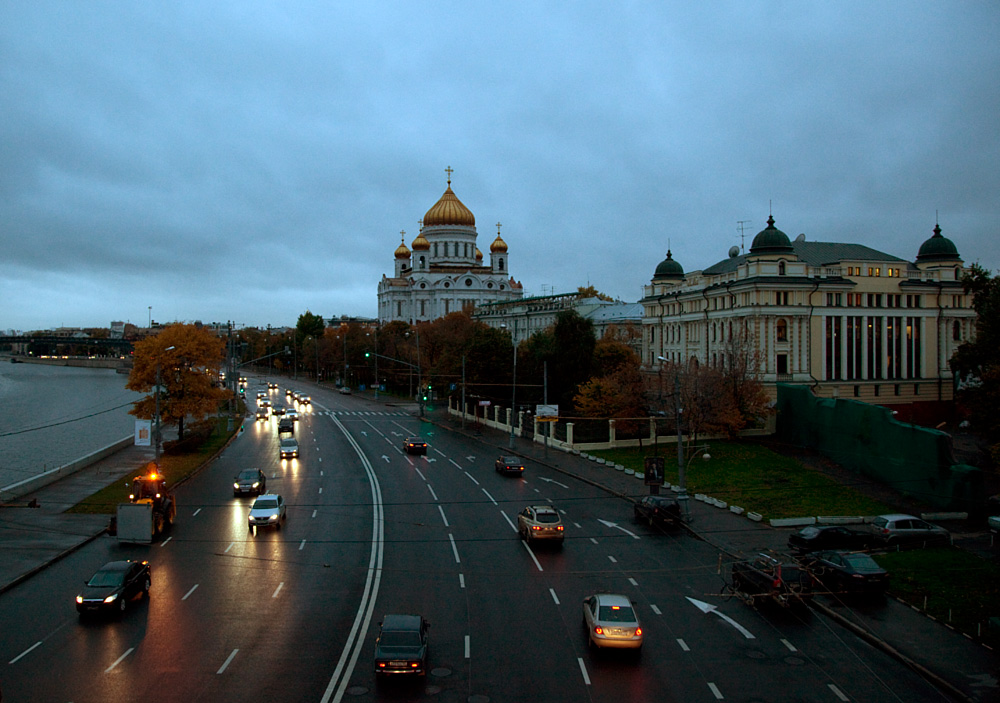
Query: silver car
{"points": [[267, 511], [898, 529], [611, 622], [289, 448]]}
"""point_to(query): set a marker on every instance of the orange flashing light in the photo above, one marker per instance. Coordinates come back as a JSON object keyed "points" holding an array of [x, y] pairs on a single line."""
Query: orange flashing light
{"points": [[616, 607], [598, 630], [638, 631]]}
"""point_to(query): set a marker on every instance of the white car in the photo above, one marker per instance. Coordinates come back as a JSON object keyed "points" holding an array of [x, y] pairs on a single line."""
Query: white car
{"points": [[292, 414], [289, 448], [612, 622], [267, 511]]}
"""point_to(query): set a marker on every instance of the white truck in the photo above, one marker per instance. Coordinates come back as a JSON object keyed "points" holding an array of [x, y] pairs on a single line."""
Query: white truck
{"points": [[135, 523]]}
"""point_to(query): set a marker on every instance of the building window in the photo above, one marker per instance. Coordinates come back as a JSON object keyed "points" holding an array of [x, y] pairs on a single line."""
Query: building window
{"points": [[422, 286], [423, 308], [781, 268], [781, 364], [501, 286], [781, 328], [447, 284], [874, 300], [781, 297], [956, 331], [422, 262], [500, 265], [916, 389], [876, 389], [857, 391], [896, 389], [468, 282], [489, 285], [833, 299]]}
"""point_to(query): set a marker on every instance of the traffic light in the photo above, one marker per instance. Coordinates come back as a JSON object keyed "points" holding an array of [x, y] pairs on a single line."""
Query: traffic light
{"points": [[367, 354]]}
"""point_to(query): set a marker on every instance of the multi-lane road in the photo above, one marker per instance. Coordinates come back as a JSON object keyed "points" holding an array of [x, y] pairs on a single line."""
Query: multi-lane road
{"points": [[291, 615]]}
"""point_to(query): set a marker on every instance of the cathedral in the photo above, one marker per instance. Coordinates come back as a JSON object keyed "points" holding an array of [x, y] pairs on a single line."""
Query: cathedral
{"points": [[443, 270]]}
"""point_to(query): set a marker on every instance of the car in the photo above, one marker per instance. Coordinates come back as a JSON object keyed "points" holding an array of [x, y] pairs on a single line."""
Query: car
{"points": [[272, 386], [250, 481], [414, 445], [780, 580], [113, 585], [286, 425], [657, 510], [898, 529], [842, 571], [278, 410], [819, 537], [509, 465], [267, 511], [261, 395], [993, 522], [401, 646], [262, 414], [288, 448], [540, 522], [264, 403], [344, 390], [289, 393], [611, 622], [304, 399], [292, 414]]}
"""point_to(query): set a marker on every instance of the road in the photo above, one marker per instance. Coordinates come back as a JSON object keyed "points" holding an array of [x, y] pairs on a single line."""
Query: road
{"points": [[291, 615]]}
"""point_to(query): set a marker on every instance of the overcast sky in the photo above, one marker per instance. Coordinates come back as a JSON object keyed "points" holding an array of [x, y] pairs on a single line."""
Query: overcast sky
{"points": [[249, 161]]}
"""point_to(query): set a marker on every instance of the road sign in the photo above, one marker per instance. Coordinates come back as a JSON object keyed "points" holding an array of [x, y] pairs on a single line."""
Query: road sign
{"points": [[542, 411], [654, 470], [484, 403]]}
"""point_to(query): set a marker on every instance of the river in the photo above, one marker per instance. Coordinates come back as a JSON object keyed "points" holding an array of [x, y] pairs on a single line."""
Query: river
{"points": [[52, 415]]}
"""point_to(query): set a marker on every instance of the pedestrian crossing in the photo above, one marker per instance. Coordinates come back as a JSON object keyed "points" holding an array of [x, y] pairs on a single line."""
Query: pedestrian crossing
{"points": [[347, 413]]}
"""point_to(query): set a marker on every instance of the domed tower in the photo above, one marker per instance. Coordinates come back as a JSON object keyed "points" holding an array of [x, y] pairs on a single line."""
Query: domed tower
{"points": [[402, 255], [668, 271], [498, 253], [420, 248], [450, 229], [771, 241], [939, 252]]}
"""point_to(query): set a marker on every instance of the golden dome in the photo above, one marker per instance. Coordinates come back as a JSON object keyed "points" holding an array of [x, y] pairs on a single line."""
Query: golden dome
{"points": [[498, 246], [421, 243], [401, 251], [449, 210], [479, 254]]}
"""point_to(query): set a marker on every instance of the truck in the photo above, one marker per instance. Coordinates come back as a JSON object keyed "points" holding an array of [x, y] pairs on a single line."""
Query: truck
{"points": [[150, 511]]}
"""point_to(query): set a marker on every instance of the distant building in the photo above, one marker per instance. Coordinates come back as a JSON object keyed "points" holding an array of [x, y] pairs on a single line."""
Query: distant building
{"points": [[846, 319], [444, 272]]}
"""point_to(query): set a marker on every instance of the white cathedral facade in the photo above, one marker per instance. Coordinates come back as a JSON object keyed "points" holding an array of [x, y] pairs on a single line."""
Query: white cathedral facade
{"points": [[444, 272]]}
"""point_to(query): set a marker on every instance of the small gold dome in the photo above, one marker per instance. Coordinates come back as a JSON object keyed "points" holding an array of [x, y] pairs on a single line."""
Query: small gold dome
{"points": [[401, 251], [479, 254], [421, 243], [449, 210], [498, 246]]}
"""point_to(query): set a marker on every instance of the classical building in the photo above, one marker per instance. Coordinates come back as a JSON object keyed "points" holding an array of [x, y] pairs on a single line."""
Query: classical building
{"points": [[846, 319], [444, 272]]}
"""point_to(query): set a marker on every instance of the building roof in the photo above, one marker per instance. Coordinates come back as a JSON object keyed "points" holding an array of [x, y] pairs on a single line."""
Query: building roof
{"points": [[814, 254], [938, 248], [449, 210]]}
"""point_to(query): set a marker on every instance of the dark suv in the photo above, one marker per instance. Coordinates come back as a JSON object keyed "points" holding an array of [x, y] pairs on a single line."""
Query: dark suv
{"points": [[657, 510], [768, 577]]}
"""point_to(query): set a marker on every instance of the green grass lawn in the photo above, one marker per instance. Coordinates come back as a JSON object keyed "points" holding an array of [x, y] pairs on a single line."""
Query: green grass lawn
{"points": [[174, 466], [756, 478]]}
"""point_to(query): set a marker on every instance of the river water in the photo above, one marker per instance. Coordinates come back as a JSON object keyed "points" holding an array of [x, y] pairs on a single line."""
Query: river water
{"points": [[52, 415]]}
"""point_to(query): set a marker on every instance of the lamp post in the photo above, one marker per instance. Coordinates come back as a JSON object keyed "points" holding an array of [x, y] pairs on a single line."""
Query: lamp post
{"points": [[513, 385], [157, 450]]}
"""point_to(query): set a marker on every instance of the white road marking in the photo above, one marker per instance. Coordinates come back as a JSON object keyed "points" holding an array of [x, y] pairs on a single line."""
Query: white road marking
{"points": [[457, 465], [196, 512], [319, 459], [22, 654], [190, 592], [593, 540], [549, 480], [302, 544], [461, 580], [537, 491], [554, 596], [228, 660], [454, 548], [229, 547], [321, 490], [472, 478], [715, 691], [166, 540], [652, 606], [431, 489], [440, 452], [615, 525], [683, 644], [278, 589], [791, 647], [466, 646], [443, 517], [583, 670], [633, 582], [119, 660], [420, 473], [490, 497], [512, 525], [321, 473], [706, 608], [314, 513], [837, 692], [578, 525], [612, 559], [532, 555]]}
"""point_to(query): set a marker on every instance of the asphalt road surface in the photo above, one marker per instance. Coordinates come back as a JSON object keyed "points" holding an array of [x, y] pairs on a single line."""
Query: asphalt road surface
{"points": [[291, 614]]}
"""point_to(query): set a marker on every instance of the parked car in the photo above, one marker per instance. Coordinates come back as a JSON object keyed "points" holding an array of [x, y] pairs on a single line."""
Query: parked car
{"points": [[540, 522], [267, 511], [767, 577], [841, 571], [817, 537], [401, 646], [899, 530], [509, 465], [250, 481], [657, 510], [414, 445], [611, 622], [113, 585]]}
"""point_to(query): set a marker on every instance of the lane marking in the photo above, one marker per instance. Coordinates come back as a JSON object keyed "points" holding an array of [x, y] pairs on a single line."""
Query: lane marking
{"points": [[314, 513], [229, 547], [196, 512], [19, 656], [278, 590], [457, 466], [683, 644], [791, 647], [461, 580], [613, 560], [166, 540], [655, 609], [466, 646], [592, 539], [228, 660], [193, 588], [554, 596], [532, 555], [490, 497], [431, 489], [583, 670], [320, 473], [302, 544], [837, 692], [441, 510], [420, 473], [454, 548], [633, 582], [715, 691], [472, 478], [445, 456], [512, 525], [119, 660], [577, 525], [321, 490]]}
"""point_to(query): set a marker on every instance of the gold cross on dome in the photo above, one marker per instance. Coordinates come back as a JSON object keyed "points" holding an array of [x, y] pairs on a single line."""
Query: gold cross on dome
{"points": [[402, 233], [449, 171], [498, 228]]}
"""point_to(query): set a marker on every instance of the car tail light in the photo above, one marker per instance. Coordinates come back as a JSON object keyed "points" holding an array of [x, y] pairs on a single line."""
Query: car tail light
{"points": [[414, 665], [638, 632], [381, 665], [560, 528]]}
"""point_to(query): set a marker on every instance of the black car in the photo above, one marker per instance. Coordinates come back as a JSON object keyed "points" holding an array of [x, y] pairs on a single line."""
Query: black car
{"points": [[278, 410], [767, 577], [657, 510], [509, 465], [113, 586], [401, 647], [251, 481], [817, 537], [840, 571], [413, 445]]}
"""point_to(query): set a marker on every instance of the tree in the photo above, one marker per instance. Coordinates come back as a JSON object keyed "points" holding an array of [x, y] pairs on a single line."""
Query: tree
{"points": [[188, 358], [977, 361], [591, 292], [570, 366]]}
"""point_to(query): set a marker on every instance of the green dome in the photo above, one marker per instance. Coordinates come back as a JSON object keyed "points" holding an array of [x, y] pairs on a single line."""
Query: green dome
{"points": [[771, 240], [938, 248], [668, 269]]}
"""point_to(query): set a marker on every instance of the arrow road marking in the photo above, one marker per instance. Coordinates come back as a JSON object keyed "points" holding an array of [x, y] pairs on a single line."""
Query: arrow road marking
{"points": [[706, 608], [618, 527], [385, 457], [549, 480], [470, 458]]}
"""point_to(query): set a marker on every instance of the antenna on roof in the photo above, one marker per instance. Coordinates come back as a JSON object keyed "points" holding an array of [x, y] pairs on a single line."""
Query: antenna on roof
{"points": [[740, 224]]}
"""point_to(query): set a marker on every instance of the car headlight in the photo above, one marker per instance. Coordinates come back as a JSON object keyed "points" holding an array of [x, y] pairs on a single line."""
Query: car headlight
{"points": [[111, 598], [79, 599], [236, 485], [272, 517], [256, 483]]}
